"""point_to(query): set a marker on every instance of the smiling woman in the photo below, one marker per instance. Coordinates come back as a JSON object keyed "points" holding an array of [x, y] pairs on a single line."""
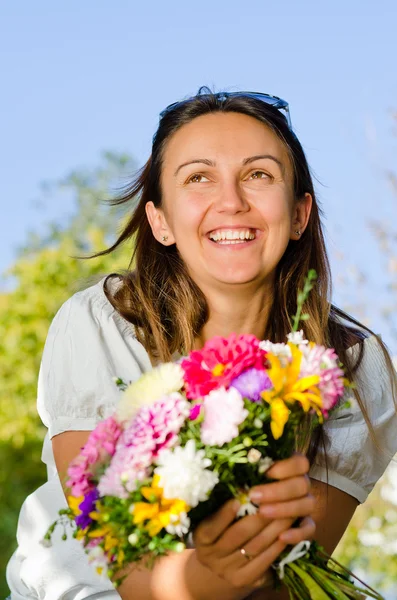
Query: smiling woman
{"points": [[226, 226]]}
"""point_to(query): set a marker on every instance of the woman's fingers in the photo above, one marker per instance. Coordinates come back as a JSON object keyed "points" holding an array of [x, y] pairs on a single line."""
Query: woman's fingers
{"points": [[305, 531], [251, 570], [294, 487], [240, 533], [298, 464], [301, 507], [212, 527]]}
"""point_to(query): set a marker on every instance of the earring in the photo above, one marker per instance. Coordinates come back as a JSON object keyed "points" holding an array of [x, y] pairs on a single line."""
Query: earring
{"points": [[164, 238], [298, 232]]}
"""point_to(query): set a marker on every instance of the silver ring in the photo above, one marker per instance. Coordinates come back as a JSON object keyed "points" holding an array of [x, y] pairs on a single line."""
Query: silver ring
{"points": [[244, 552]]}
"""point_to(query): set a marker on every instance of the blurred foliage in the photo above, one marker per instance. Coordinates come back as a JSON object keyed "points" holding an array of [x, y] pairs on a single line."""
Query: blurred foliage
{"points": [[42, 278], [369, 546]]}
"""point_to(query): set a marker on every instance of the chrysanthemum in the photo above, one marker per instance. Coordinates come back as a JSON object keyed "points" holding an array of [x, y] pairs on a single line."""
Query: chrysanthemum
{"points": [[151, 386], [183, 474], [154, 427], [251, 383], [219, 362], [223, 413]]}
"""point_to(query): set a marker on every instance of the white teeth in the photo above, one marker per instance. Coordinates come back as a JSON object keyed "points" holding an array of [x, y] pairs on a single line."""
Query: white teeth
{"points": [[232, 235]]}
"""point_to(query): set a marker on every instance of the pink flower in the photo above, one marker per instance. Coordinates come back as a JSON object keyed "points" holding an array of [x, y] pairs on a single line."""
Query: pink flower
{"points": [[223, 412], [318, 360], [219, 362], [99, 448], [153, 428]]}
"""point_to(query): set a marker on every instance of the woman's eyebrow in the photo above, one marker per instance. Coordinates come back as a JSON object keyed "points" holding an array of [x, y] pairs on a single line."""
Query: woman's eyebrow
{"points": [[251, 159], [246, 161], [204, 161]]}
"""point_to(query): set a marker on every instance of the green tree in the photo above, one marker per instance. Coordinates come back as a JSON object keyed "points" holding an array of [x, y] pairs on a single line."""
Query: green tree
{"points": [[43, 277]]}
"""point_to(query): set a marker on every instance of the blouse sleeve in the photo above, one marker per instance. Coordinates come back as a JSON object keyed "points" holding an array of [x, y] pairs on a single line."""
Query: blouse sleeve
{"points": [[88, 344], [355, 463]]}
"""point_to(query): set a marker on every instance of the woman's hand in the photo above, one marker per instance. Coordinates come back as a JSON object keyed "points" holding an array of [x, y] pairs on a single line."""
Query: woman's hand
{"points": [[242, 552]]}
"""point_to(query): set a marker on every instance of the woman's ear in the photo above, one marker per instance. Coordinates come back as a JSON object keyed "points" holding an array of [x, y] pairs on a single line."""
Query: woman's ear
{"points": [[158, 224], [301, 215]]}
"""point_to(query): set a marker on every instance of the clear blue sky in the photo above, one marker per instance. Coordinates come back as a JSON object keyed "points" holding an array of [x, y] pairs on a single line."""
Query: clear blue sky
{"points": [[81, 77]]}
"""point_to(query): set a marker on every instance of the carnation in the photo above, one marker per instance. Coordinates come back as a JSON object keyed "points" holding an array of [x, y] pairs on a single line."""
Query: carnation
{"points": [[154, 428], [223, 413], [219, 362], [184, 474], [161, 381], [318, 360], [99, 448]]}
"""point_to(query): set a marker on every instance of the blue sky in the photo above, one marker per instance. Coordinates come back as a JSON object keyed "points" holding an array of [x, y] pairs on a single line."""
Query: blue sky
{"points": [[82, 77]]}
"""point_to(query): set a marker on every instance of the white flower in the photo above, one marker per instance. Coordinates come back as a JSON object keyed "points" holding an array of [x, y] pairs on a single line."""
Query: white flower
{"points": [[282, 351], [246, 506], [265, 464], [151, 386], [179, 524], [133, 539], [253, 456], [297, 338], [184, 475], [97, 557]]}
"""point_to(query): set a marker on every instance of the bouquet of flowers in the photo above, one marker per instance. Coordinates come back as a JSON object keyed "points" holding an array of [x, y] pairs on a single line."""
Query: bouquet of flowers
{"points": [[188, 436]]}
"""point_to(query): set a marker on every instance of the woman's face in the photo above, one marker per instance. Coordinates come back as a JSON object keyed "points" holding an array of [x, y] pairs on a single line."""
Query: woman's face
{"points": [[227, 200]]}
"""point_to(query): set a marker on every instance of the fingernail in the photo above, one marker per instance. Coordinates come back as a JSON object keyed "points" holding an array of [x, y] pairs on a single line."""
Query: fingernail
{"points": [[255, 496]]}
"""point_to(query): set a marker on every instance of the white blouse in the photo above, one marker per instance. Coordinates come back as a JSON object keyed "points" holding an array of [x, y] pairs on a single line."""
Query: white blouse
{"points": [[88, 344]]}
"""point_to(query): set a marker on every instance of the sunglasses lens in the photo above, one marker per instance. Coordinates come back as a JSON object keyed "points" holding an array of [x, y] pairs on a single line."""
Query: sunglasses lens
{"points": [[278, 103]]}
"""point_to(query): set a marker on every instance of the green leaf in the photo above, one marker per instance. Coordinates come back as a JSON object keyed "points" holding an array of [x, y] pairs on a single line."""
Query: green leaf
{"points": [[315, 591]]}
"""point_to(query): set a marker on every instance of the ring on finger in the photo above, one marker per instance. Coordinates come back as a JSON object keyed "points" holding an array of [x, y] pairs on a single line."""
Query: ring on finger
{"points": [[246, 554]]}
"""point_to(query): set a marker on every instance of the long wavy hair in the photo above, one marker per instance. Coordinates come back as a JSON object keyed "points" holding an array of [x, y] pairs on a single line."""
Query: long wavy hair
{"points": [[168, 309]]}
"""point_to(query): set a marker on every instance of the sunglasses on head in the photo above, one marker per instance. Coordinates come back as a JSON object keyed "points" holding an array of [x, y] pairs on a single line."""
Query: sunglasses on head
{"points": [[274, 101]]}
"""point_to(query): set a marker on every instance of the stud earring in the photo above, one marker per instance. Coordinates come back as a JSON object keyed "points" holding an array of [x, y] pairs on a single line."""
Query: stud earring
{"points": [[164, 238], [298, 232]]}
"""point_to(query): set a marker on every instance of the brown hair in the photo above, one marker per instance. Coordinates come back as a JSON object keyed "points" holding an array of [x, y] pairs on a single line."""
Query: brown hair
{"points": [[165, 305]]}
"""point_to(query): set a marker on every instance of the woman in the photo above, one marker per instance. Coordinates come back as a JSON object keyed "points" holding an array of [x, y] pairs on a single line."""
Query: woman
{"points": [[225, 230]]}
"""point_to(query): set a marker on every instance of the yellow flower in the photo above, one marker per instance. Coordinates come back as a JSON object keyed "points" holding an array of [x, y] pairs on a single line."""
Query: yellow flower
{"points": [[74, 503], [279, 416], [158, 510], [288, 388]]}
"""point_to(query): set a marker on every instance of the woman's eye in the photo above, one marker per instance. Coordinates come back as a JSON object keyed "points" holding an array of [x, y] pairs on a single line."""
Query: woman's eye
{"points": [[259, 175], [196, 178]]}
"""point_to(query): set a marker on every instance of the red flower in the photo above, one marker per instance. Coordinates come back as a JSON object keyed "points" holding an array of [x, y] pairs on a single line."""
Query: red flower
{"points": [[219, 362]]}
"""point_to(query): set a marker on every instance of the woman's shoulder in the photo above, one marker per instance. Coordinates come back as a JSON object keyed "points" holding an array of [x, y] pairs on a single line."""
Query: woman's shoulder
{"points": [[91, 305]]}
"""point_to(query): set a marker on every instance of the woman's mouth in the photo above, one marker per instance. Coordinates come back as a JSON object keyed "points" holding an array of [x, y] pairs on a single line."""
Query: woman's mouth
{"points": [[226, 237]]}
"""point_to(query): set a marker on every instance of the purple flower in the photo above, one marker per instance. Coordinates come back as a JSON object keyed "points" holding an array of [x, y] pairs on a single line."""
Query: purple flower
{"points": [[87, 506], [251, 383]]}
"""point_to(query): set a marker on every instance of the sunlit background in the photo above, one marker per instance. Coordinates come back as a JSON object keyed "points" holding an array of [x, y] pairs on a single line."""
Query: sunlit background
{"points": [[82, 84]]}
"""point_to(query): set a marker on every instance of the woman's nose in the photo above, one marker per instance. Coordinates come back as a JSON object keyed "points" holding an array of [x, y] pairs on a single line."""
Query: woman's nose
{"points": [[231, 199]]}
